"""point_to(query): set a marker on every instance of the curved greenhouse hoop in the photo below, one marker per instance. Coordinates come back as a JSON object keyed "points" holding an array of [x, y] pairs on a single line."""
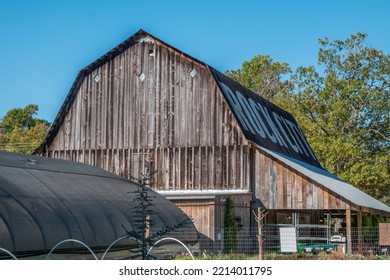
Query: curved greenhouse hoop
{"points": [[117, 240], [9, 253], [71, 240], [174, 239]]}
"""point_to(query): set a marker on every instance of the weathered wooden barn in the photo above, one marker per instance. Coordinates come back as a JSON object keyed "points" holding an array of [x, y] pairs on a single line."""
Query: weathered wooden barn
{"points": [[147, 107]]}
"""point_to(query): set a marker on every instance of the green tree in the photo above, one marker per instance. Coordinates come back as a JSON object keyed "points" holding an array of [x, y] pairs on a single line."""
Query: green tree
{"points": [[262, 75], [344, 112], [230, 228], [20, 132], [142, 228], [342, 109]]}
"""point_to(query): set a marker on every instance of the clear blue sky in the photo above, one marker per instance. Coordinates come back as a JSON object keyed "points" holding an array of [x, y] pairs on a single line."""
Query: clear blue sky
{"points": [[44, 44]]}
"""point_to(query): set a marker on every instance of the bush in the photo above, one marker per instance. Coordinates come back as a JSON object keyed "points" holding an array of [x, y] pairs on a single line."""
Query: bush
{"points": [[231, 228]]}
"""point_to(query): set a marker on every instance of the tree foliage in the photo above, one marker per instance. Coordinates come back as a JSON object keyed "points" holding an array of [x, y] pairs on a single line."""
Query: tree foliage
{"points": [[344, 111], [20, 131], [262, 75]]}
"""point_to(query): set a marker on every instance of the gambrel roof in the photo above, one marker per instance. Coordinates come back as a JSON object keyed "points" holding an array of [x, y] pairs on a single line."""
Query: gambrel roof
{"points": [[267, 126]]}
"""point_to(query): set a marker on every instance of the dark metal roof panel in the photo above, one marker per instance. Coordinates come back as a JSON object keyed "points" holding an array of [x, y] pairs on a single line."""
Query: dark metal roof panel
{"points": [[264, 123], [44, 201]]}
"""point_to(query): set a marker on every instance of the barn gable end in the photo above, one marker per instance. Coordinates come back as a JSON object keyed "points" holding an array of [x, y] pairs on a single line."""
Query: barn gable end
{"points": [[151, 107]]}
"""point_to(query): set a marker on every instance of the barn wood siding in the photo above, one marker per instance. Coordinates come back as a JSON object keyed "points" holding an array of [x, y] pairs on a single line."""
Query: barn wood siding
{"points": [[209, 217], [203, 209], [279, 187], [203, 214], [170, 122]]}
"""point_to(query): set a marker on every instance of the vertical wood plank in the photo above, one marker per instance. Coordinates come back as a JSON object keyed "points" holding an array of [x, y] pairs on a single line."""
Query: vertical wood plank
{"points": [[289, 189], [281, 188], [315, 196], [273, 185], [326, 199], [320, 197], [266, 174], [309, 195], [298, 182]]}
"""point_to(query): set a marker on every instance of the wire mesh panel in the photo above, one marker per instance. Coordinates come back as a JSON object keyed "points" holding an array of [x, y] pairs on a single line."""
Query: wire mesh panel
{"points": [[308, 239]]}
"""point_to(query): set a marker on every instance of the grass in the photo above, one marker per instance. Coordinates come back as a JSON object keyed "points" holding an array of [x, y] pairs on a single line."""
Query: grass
{"points": [[279, 256]]}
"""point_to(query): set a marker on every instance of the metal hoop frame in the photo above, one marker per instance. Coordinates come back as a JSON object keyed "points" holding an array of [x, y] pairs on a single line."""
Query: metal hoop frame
{"points": [[109, 247], [9, 253], [117, 240], [71, 240], [174, 239]]}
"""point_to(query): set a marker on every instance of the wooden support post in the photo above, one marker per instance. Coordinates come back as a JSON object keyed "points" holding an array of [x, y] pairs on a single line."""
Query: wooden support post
{"points": [[359, 231], [349, 233], [329, 228]]}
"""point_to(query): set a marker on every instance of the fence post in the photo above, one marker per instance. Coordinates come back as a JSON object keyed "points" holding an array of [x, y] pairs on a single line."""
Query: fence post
{"points": [[329, 230], [349, 234], [359, 231]]}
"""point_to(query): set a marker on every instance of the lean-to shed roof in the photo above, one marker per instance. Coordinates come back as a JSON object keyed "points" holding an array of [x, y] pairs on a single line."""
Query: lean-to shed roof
{"points": [[353, 195]]}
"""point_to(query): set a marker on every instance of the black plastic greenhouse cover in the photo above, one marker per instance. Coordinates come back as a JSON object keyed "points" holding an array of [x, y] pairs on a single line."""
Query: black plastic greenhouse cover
{"points": [[44, 201]]}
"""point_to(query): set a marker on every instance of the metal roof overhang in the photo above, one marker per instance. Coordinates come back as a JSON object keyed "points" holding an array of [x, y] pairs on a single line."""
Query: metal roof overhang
{"points": [[351, 194], [200, 194]]}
